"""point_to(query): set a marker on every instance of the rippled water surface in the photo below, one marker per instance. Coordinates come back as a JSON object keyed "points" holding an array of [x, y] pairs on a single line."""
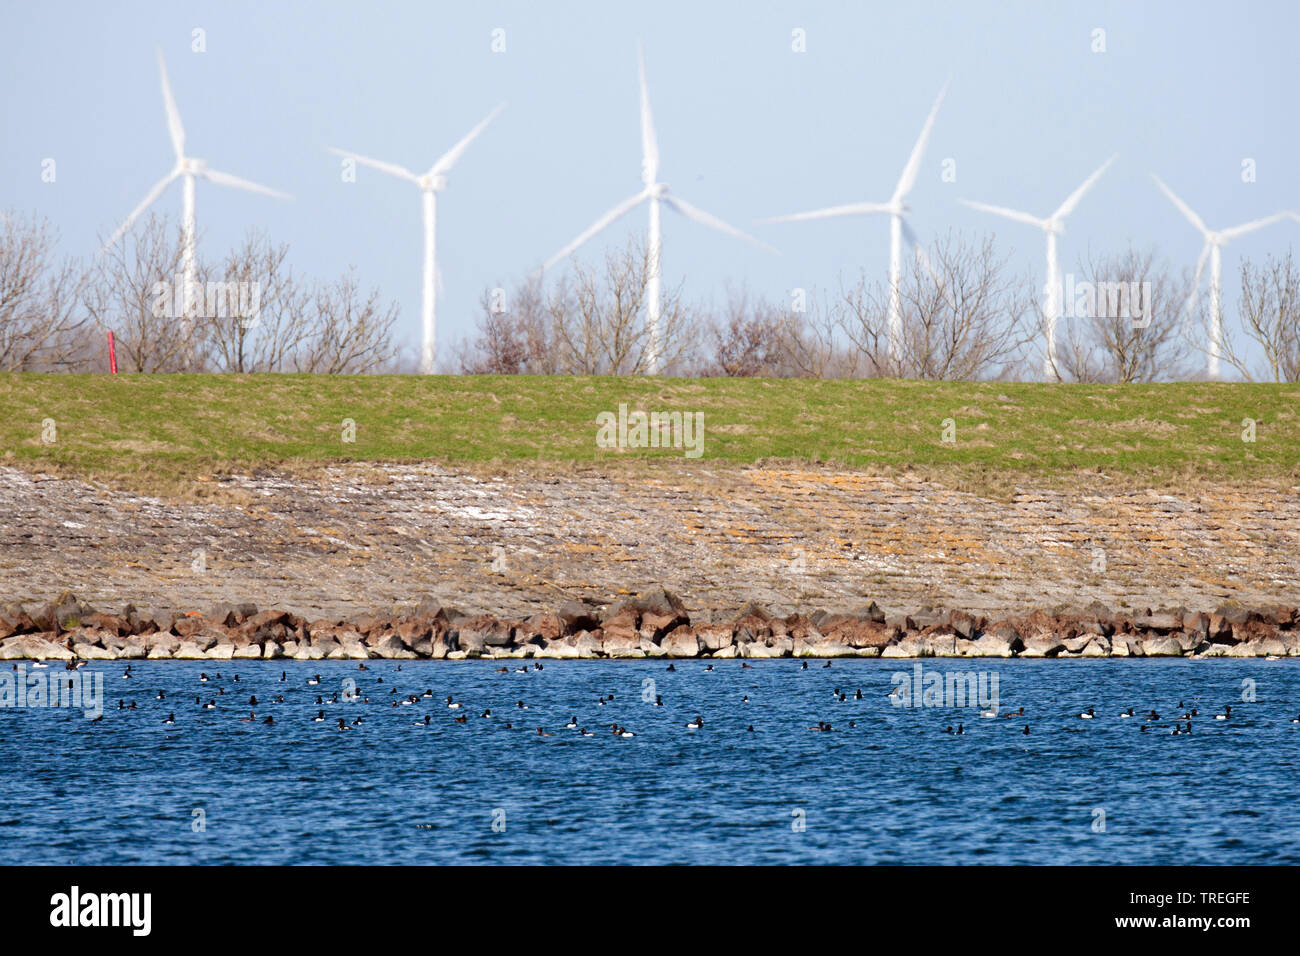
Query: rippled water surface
{"points": [[893, 788]]}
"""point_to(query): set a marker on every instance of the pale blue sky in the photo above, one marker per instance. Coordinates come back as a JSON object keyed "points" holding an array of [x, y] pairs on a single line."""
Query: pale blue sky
{"points": [[747, 128]]}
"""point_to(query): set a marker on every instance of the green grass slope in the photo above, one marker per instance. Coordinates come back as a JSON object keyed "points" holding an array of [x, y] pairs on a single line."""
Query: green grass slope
{"points": [[141, 429]]}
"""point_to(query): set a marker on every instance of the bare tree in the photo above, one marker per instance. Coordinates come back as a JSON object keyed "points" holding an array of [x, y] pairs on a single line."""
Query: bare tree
{"points": [[1270, 316], [346, 333], [598, 325], [40, 314], [1124, 322], [513, 334], [756, 337], [132, 291], [861, 313], [748, 339], [255, 315], [963, 315]]}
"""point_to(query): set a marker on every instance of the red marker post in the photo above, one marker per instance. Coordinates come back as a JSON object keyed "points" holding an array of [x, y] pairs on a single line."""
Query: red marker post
{"points": [[112, 354]]}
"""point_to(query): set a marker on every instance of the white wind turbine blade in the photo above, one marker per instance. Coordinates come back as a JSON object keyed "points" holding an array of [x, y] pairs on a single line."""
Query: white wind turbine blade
{"points": [[1067, 207], [713, 222], [401, 172], [1007, 213], [620, 210], [913, 167], [225, 179], [649, 143], [852, 209], [1244, 228], [1185, 209], [148, 201], [453, 155], [174, 127]]}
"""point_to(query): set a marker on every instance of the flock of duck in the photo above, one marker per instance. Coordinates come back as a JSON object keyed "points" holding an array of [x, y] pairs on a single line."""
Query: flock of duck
{"points": [[216, 693]]}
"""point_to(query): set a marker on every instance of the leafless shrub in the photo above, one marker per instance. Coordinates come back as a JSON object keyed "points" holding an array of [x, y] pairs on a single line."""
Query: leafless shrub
{"points": [[749, 338], [260, 318], [344, 332], [513, 336], [131, 292], [40, 312], [963, 315], [1270, 316], [594, 323], [599, 322], [1125, 323]]}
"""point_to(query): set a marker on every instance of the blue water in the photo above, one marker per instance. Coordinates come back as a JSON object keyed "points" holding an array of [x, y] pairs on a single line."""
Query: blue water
{"points": [[895, 788]]}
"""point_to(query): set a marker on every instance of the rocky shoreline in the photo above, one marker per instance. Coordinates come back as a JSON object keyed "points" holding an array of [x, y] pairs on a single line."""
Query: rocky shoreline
{"points": [[655, 623]]}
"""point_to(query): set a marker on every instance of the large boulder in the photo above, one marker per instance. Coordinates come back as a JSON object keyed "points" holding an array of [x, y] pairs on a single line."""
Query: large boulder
{"points": [[660, 612], [1042, 644], [63, 613], [91, 652], [113, 623], [824, 648], [223, 614], [1162, 621], [753, 623], [14, 619], [1270, 647], [1097, 647], [682, 642], [657, 600], [942, 640], [622, 619], [546, 626], [467, 643], [910, 644], [996, 645], [714, 637], [1161, 647], [33, 647], [1119, 647], [210, 636], [391, 648], [762, 650], [161, 646], [413, 634], [857, 632], [133, 649], [963, 625], [1244, 649], [429, 611], [584, 644], [619, 642]]}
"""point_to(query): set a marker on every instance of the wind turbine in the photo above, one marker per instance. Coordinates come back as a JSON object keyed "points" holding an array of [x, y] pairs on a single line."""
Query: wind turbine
{"points": [[1053, 225], [897, 208], [430, 183], [654, 193], [1214, 243], [187, 169]]}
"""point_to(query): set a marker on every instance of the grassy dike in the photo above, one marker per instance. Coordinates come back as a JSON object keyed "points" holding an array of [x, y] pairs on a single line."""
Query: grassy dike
{"points": [[162, 431]]}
